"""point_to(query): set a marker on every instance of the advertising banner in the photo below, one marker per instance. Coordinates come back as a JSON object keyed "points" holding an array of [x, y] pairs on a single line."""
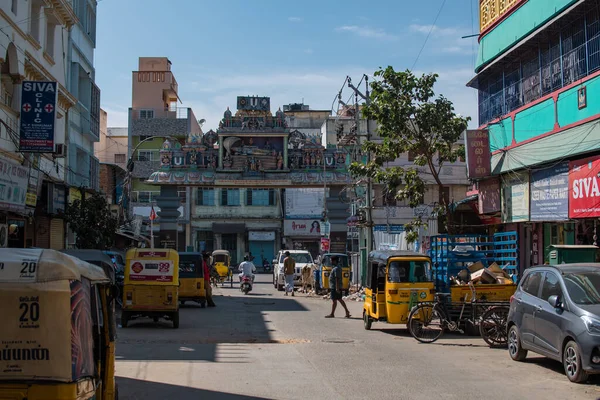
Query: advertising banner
{"points": [[478, 154], [14, 181], [304, 203], [151, 270], [584, 201], [307, 228], [36, 331], [489, 196], [515, 197], [550, 193], [38, 110], [324, 245]]}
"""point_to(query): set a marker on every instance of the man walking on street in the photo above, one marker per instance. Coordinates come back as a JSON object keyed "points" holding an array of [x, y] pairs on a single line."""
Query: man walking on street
{"points": [[207, 286], [289, 267], [336, 287]]}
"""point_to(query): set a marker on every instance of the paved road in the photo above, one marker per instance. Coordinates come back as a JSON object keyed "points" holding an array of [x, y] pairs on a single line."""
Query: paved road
{"points": [[267, 346]]}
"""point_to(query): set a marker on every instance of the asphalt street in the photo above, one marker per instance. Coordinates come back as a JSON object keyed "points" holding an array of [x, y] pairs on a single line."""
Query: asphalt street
{"points": [[268, 346]]}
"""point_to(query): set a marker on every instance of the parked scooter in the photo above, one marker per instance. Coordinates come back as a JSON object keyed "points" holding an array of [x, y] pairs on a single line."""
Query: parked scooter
{"points": [[266, 266], [246, 284]]}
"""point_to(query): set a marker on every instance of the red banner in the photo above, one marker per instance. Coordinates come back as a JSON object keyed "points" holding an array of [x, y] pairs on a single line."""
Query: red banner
{"points": [[584, 196], [478, 152]]}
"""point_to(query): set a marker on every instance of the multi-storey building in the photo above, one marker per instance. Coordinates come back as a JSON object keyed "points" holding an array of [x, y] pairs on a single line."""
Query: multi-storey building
{"points": [[153, 116], [31, 48], [537, 72]]}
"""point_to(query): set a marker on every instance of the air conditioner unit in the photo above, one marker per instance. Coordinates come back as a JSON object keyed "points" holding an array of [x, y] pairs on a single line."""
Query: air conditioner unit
{"points": [[3, 235], [60, 150]]}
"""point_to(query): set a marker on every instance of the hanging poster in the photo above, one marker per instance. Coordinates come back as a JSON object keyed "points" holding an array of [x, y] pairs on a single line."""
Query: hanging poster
{"points": [[550, 193], [515, 197], [584, 201]]}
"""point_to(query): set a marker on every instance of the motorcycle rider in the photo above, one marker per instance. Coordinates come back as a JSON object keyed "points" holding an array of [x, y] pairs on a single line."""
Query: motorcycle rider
{"points": [[247, 268]]}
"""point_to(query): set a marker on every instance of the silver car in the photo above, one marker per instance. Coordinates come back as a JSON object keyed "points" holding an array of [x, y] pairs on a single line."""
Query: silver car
{"points": [[555, 312]]}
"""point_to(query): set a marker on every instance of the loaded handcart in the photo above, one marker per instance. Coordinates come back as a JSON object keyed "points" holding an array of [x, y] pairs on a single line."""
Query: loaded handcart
{"points": [[474, 279]]}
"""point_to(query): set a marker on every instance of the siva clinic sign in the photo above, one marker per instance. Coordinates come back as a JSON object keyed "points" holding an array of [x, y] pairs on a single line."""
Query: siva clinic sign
{"points": [[550, 193]]}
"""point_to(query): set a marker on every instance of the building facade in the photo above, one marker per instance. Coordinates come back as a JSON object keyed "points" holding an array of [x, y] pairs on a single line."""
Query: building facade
{"points": [[537, 72], [153, 116], [36, 184]]}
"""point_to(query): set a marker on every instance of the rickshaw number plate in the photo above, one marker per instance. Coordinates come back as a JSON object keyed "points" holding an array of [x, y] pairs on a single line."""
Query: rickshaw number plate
{"points": [[20, 265]]}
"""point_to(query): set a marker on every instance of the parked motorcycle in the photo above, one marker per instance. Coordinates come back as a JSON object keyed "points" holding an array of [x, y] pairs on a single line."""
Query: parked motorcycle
{"points": [[266, 266], [246, 284]]}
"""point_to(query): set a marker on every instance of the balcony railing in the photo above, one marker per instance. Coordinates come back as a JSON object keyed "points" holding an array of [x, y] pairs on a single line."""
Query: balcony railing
{"points": [[490, 11], [160, 113]]}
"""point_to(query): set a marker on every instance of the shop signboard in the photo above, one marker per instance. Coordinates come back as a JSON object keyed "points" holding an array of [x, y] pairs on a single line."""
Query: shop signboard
{"points": [[390, 229], [489, 196], [478, 154], [550, 193], [584, 185], [304, 203], [56, 199], [302, 227], [38, 110], [515, 197], [260, 236], [14, 181]]}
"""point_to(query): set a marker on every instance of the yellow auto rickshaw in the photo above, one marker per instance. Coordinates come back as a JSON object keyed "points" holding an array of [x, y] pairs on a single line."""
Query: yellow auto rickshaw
{"points": [[191, 279], [58, 332], [396, 281], [327, 266], [221, 260], [151, 285]]}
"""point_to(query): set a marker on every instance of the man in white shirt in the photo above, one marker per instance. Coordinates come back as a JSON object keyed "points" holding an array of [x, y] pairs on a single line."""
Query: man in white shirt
{"points": [[247, 268]]}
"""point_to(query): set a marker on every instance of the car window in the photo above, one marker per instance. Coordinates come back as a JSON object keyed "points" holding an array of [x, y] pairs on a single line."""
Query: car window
{"points": [[531, 285], [583, 288], [551, 286]]}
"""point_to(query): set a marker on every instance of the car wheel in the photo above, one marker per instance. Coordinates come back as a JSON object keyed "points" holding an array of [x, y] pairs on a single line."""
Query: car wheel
{"points": [[515, 350], [572, 363]]}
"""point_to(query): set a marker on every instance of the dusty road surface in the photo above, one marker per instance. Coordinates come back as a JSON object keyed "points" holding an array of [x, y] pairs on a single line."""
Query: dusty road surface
{"points": [[267, 346]]}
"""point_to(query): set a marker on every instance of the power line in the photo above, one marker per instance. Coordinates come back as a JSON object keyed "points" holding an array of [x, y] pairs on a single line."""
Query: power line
{"points": [[428, 34]]}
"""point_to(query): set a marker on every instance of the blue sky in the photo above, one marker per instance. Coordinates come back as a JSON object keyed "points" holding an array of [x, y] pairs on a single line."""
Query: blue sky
{"points": [[288, 50]]}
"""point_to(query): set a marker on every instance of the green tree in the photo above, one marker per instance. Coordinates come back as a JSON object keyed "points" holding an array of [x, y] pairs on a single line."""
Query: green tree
{"points": [[411, 118], [92, 222]]}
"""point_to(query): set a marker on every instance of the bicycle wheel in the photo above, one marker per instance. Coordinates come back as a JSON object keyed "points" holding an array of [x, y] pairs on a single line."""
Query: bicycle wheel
{"points": [[492, 326], [426, 322]]}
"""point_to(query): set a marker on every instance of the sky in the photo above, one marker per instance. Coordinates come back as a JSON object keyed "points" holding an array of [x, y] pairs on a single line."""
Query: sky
{"points": [[290, 51]]}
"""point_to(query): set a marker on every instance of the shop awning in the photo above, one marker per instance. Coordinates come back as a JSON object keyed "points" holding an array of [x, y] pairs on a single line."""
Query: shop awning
{"points": [[228, 228], [466, 200]]}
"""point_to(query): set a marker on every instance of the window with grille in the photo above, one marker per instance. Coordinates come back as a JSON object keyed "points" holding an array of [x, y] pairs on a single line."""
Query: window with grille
{"points": [[146, 196], [119, 158], [205, 197], [146, 155], [146, 114], [260, 197], [230, 197], [411, 156]]}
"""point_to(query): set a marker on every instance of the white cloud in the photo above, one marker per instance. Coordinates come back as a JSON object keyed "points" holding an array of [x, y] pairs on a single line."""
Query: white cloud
{"points": [[435, 30], [448, 39], [295, 19], [366, 32]]}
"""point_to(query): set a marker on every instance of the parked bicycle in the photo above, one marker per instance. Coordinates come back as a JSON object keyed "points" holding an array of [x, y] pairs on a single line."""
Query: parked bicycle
{"points": [[427, 322]]}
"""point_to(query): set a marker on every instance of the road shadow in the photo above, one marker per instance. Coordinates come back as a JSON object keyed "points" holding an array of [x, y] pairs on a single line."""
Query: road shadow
{"points": [[210, 335], [556, 366], [134, 389]]}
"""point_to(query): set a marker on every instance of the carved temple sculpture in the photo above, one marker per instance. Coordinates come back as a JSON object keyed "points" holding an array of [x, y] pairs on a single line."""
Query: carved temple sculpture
{"points": [[251, 147]]}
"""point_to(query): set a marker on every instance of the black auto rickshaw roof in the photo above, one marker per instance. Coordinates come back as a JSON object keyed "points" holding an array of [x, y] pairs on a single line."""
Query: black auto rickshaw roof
{"points": [[96, 257], [384, 255]]}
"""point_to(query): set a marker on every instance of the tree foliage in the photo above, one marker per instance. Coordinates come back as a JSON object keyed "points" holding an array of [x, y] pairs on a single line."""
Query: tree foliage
{"points": [[92, 222], [411, 118]]}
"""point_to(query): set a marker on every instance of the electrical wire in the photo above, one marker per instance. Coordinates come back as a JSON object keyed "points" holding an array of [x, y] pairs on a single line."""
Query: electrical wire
{"points": [[428, 35]]}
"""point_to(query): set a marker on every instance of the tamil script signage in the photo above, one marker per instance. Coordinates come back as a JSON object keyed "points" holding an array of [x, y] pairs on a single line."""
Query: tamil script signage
{"points": [[304, 203], [584, 184], [14, 181], [38, 111], [489, 196], [515, 197], [302, 227], [478, 154], [550, 193]]}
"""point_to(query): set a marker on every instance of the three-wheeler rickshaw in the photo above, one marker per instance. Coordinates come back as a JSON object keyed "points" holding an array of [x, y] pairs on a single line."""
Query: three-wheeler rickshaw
{"points": [[221, 260], [191, 279], [151, 285], [58, 332], [327, 266], [397, 281]]}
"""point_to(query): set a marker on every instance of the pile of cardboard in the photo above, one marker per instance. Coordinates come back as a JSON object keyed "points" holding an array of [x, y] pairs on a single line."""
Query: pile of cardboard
{"points": [[479, 274]]}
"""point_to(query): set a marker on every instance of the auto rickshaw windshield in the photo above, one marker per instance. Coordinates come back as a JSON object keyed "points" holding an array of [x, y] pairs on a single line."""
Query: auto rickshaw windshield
{"points": [[409, 271], [220, 258], [187, 267], [343, 260]]}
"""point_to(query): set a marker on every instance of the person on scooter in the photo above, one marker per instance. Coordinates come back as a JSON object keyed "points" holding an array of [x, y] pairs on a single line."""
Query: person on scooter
{"points": [[247, 268]]}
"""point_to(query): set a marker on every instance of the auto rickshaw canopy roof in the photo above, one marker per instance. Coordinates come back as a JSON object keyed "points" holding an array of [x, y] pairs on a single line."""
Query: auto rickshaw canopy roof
{"points": [[96, 257], [383, 256], [221, 252], [50, 265]]}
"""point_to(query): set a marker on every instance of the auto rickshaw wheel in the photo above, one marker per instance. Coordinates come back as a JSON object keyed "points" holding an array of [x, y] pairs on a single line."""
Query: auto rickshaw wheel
{"points": [[124, 319], [367, 320], [231, 280], [155, 319], [175, 320], [202, 304], [182, 302]]}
